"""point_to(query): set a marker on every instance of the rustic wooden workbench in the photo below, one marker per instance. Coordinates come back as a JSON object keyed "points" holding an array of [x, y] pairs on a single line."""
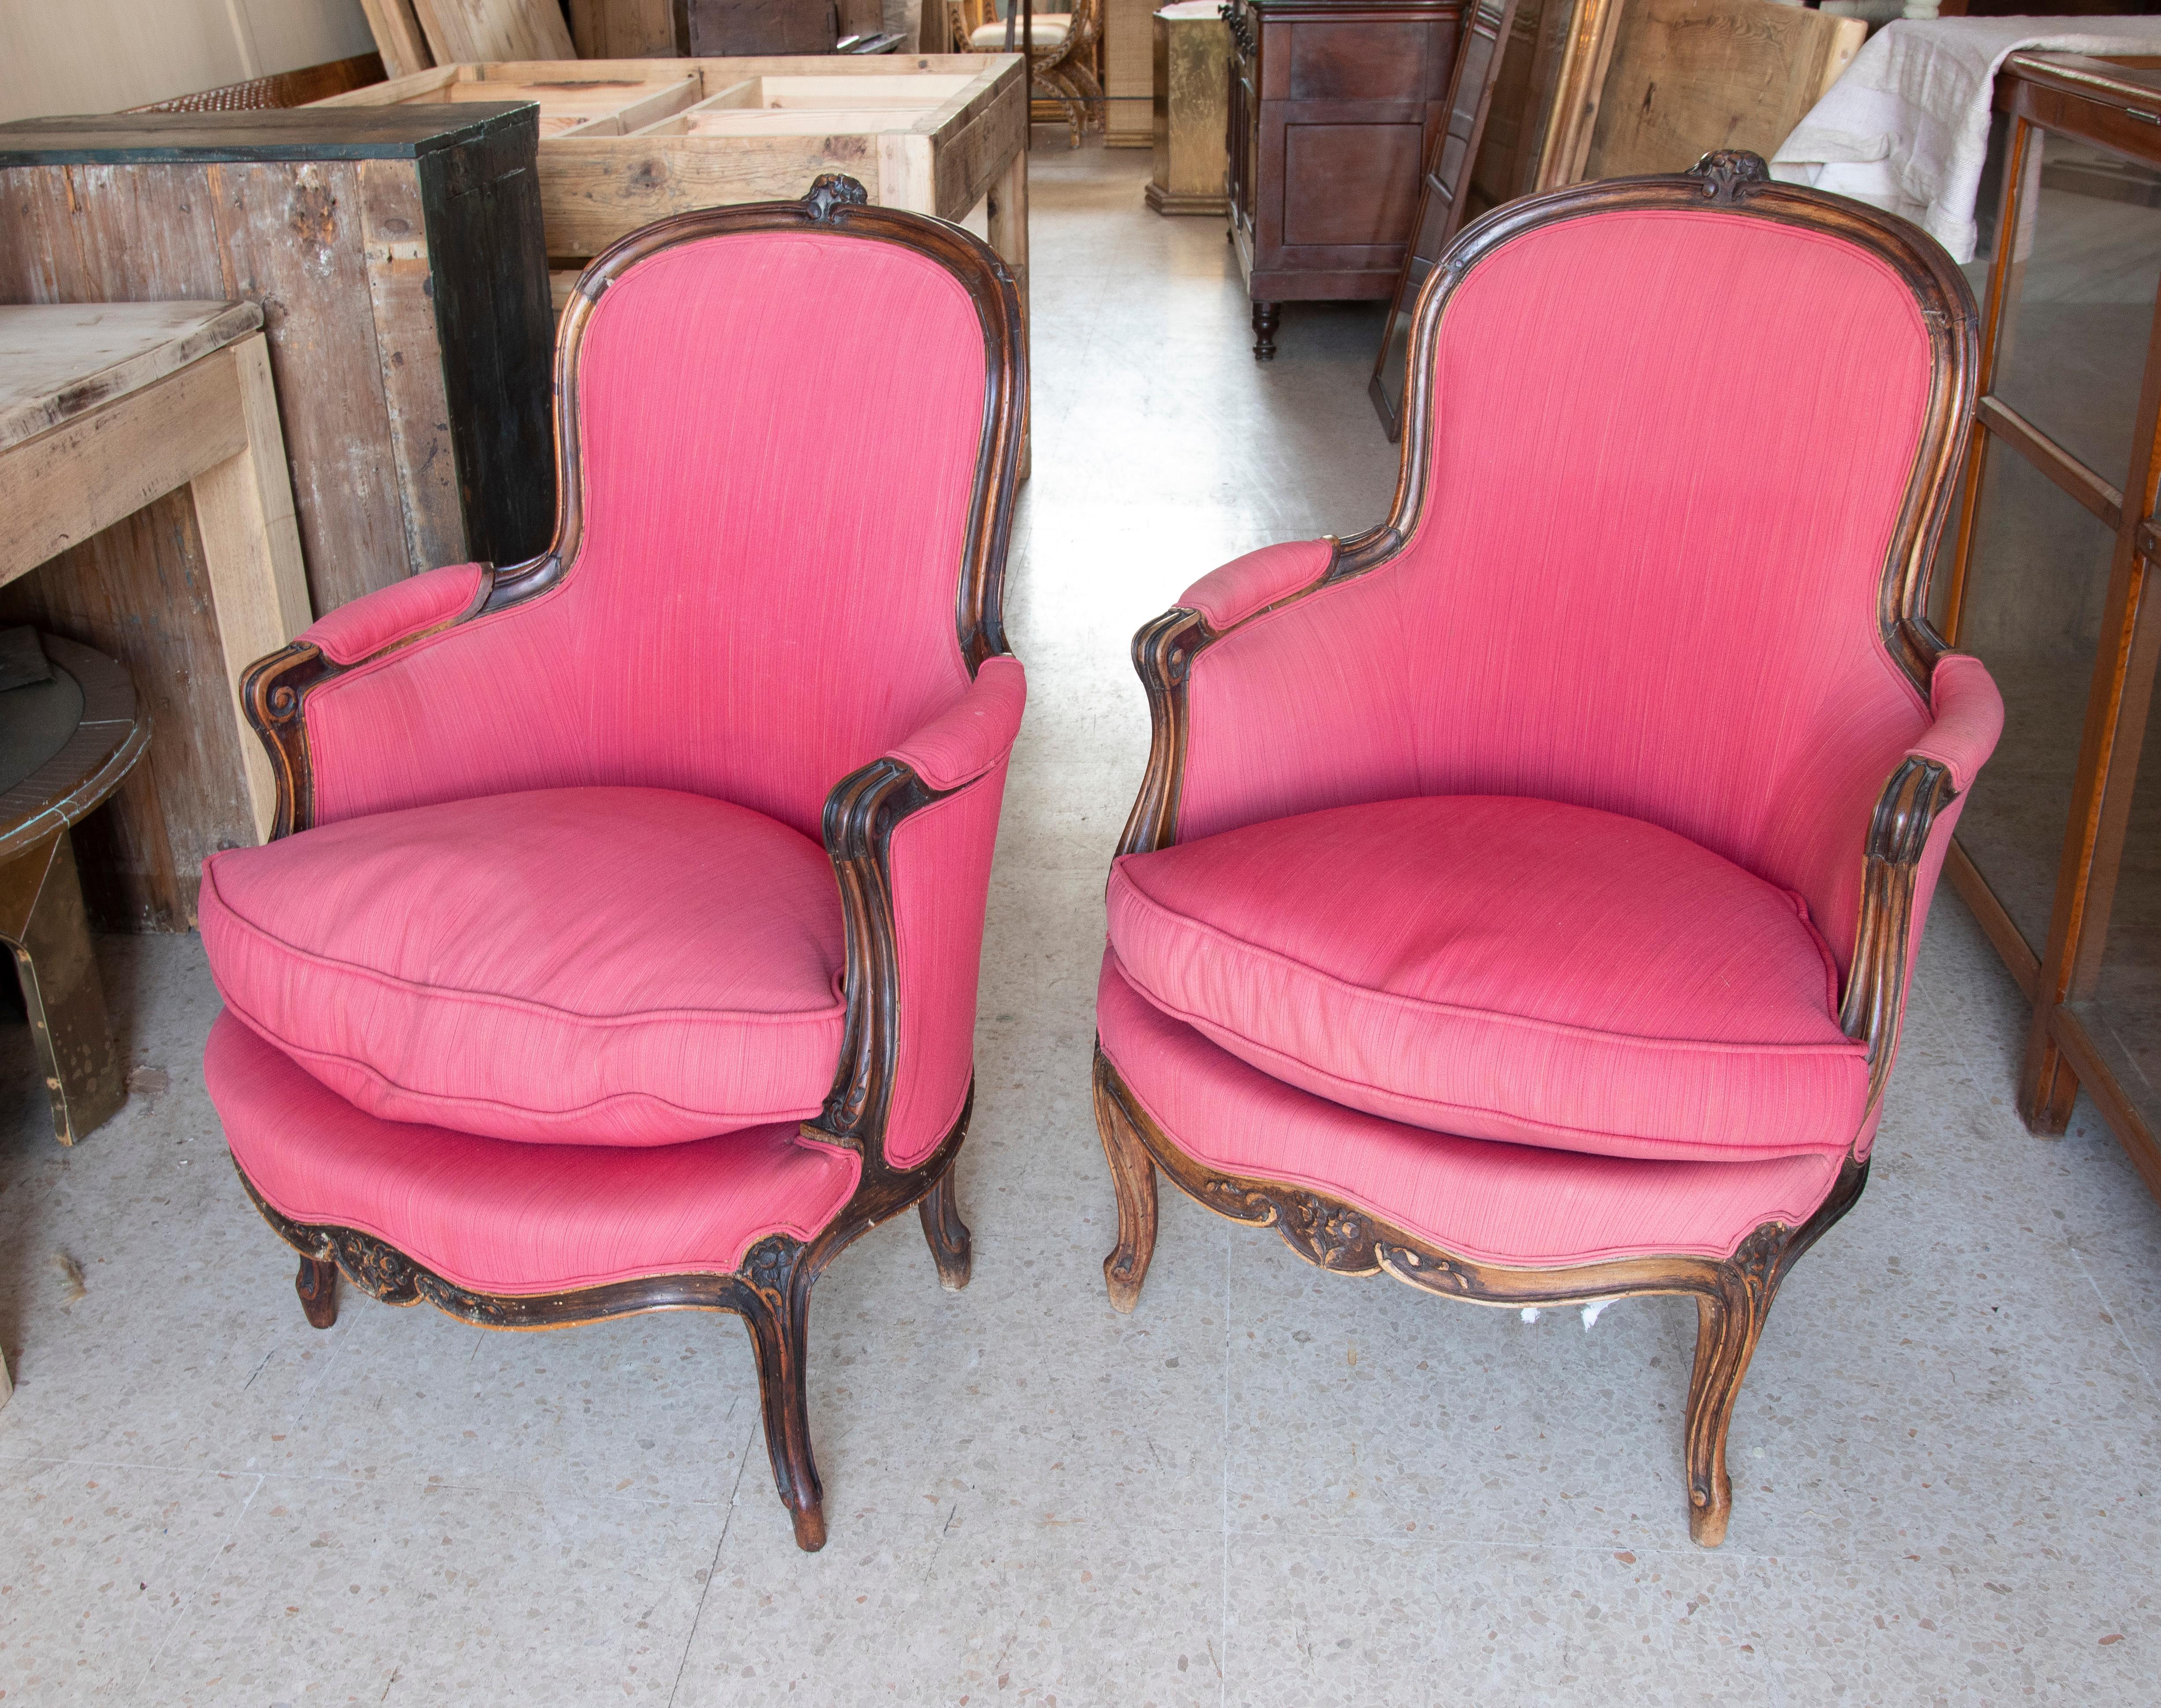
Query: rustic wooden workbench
{"points": [[104, 408]]}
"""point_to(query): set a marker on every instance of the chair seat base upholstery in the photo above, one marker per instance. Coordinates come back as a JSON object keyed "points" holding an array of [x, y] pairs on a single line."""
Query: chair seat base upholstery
{"points": [[1518, 1206], [573, 966], [1508, 968], [493, 1216]]}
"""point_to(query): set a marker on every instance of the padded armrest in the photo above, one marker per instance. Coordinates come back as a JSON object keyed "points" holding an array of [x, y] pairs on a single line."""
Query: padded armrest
{"points": [[973, 734], [1969, 718], [390, 614], [1235, 591]]}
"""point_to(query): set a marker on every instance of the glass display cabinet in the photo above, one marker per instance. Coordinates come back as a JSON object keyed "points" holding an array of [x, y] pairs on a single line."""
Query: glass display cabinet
{"points": [[2058, 851]]}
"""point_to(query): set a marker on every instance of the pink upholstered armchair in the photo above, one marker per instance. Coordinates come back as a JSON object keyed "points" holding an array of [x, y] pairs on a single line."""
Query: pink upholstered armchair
{"points": [[618, 948], [1522, 893]]}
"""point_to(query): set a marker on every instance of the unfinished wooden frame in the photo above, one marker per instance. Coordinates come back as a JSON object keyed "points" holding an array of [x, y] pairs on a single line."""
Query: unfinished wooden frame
{"points": [[1733, 1295], [771, 1288]]}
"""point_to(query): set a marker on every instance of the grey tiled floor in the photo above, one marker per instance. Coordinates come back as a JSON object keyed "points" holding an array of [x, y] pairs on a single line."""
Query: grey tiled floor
{"points": [[1266, 1486]]}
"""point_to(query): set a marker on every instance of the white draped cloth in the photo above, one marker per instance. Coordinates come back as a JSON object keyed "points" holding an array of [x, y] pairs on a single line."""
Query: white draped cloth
{"points": [[1906, 129]]}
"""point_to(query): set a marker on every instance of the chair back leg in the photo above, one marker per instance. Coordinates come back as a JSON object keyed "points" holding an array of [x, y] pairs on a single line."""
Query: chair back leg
{"points": [[1133, 1178], [951, 1247]]}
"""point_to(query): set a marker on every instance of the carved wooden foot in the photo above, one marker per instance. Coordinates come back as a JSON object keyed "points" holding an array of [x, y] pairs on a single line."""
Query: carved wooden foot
{"points": [[317, 1286], [780, 1282], [1133, 1177], [1267, 316], [1727, 1327], [950, 1247]]}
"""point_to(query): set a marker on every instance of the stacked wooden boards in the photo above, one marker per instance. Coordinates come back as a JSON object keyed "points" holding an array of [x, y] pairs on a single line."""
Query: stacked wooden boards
{"points": [[624, 143], [1596, 89]]}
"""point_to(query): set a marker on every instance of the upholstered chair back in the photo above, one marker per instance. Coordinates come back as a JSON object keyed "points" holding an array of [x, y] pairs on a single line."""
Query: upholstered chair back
{"points": [[1661, 482], [778, 435]]}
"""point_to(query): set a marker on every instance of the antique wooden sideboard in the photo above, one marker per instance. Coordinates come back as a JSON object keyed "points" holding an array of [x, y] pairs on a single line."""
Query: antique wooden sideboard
{"points": [[1333, 106]]}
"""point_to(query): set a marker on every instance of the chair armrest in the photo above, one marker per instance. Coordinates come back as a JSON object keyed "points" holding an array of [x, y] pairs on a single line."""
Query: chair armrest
{"points": [[1908, 835], [1272, 688], [1245, 585], [910, 837], [359, 646], [390, 616], [974, 732]]}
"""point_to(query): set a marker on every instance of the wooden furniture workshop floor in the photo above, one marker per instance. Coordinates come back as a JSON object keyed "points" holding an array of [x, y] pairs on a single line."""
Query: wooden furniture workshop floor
{"points": [[1267, 1486]]}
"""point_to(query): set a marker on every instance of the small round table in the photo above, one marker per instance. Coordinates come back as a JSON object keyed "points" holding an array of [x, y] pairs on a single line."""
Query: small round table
{"points": [[65, 745]]}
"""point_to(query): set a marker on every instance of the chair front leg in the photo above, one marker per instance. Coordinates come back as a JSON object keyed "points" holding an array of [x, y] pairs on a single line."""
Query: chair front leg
{"points": [[951, 1247], [1729, 1323], [1133, 1178], [317, 1286], [777, 1310]]}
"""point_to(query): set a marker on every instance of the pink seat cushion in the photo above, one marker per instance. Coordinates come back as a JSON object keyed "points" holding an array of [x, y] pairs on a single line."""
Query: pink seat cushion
{"points": [[499, 1218], [1504, 969], [596, 965], [1515, 1204]]}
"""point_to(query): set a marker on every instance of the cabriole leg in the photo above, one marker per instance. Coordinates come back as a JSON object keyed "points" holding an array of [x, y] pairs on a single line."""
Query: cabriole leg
{"points": [[317, 1286], [1728, 1324], [1133, 1178], [947, 1234], [778, 1318]]}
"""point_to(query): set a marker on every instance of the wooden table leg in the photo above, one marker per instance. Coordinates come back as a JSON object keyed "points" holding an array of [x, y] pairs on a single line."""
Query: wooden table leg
{"points": [[42, 919], [1008, 208], [251, 545]]}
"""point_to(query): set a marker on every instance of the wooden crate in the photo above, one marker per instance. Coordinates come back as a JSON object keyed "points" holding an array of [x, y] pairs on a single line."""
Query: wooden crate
{"points": [[398, 259], [626, 142]]}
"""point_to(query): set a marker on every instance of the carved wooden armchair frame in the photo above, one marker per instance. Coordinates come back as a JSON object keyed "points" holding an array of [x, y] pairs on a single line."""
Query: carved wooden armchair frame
{"points": [[1732, 1295], [1066, 67], [770, 1289]]}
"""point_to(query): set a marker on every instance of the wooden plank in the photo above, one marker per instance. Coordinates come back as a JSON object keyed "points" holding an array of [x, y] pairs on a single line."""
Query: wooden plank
{"points": [[399, 91], [593, 192], [397, 36], [1691, 76], [645, 109], [284, 231], [58, 361], [401, 288], [611, 29], [972, 161], [253, 597], [273, 482], [463, 31], [59, 489]]}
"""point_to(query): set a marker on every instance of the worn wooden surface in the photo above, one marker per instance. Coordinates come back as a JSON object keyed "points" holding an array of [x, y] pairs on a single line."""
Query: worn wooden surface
{"points": [[732, 28], [366, 289], [1191, 82], [1689, 76], [627, 29], [397, 36], [156, 525], [59, 360], [459, 30], [759, 129]]}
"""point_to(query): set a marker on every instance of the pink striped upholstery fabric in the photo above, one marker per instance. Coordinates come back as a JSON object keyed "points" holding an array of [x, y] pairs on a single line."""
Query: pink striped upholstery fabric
{"points": [[591, 966], [1503, 968], [500, 1217], [763, 599], [394, 613], [1242, 586], [1669, 450], [941, 882], [1491, 1202]]}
